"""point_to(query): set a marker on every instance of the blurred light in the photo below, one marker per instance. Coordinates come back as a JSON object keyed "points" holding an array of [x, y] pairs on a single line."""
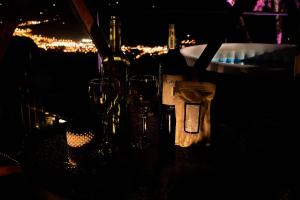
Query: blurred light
{"points": [[77, 140], [54, 5], [62, 121], [231, 2], [1, 4], [31, 23], [41, 13], [71, 164], [86, 40], [141, 50], [1, 22]]}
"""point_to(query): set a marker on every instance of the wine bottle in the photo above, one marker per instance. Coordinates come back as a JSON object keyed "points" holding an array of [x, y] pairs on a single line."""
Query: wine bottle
{"points": [[117, 69], [172, 69], [119, 66]]}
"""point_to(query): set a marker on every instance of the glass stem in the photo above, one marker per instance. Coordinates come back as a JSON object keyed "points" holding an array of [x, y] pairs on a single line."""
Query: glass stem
{"points": [[144, 121], [103, 122]]}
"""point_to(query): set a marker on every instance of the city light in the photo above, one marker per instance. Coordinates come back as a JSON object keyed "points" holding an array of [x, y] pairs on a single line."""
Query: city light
{"points": [[84, 45], [32, 23], [142, 50]]}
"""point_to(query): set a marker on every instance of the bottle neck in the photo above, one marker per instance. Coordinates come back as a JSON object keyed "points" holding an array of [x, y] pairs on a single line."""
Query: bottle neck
{"points": [[114, 34], [171, 38]]}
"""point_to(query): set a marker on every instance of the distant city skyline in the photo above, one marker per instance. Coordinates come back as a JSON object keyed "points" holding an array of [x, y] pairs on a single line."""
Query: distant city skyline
{"points": [[84, 45]]}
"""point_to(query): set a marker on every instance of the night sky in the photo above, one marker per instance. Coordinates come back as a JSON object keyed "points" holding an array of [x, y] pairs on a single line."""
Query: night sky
{"points": [[143, 22]]}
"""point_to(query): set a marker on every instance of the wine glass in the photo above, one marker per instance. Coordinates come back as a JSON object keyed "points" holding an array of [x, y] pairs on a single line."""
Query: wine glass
{"points": [[103, 92], [142, 104], [104, 95]]}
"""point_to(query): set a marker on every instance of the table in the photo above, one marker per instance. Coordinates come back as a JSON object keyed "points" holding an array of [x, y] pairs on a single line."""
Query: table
{"points": [[250, 158]]}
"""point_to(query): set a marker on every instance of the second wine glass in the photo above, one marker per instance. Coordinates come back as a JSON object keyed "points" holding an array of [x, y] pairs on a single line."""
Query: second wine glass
{"points": [[104, 96], [143, 106]]}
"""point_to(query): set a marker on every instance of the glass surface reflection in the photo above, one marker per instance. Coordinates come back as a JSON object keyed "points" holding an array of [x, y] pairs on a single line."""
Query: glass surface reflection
{"points": [[104, 98], [142, 104], [103, 93]]}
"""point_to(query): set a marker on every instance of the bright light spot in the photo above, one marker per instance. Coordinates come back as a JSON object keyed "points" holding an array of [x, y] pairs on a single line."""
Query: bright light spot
{"points": [[62, 121], [1, 22], [153, 6], [86, 40], [1, 4], [41, 13], [54, 5], [117, 2], [63, 23]]}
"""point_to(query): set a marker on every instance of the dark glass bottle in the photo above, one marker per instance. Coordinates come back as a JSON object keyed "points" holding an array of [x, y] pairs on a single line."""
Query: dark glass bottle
{"points": [[117, 69], [172, 69]]}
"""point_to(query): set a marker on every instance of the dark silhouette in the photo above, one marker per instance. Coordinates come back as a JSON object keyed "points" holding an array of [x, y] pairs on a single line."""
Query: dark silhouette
{"points": [[16, 65]]}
